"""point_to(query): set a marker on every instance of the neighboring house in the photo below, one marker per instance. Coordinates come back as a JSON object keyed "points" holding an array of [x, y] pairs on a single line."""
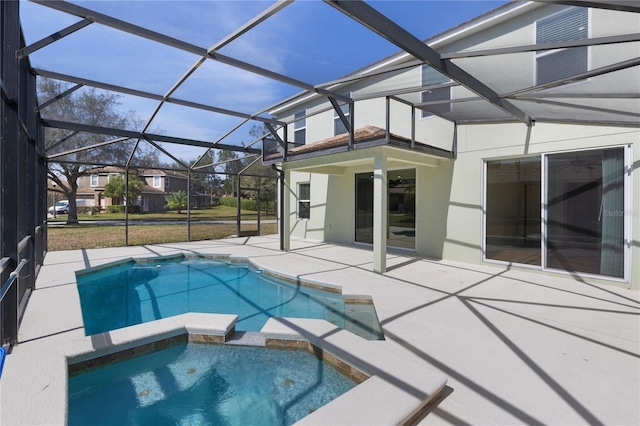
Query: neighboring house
{"points": [[158, 183], [479, 182]]}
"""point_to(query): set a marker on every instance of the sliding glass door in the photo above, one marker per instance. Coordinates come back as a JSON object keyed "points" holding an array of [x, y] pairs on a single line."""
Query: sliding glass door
{"points": [[401, 220], [584, 197]]}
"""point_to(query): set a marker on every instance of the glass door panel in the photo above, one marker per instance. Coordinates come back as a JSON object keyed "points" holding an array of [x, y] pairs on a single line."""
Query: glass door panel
{"points": [[402, 209], [364, 208], [512, 226], [585, 213]]}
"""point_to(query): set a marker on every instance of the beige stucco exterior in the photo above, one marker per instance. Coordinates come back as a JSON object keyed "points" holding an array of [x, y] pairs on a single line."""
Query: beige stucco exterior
{"points": [[449, 202], [449, 205]]}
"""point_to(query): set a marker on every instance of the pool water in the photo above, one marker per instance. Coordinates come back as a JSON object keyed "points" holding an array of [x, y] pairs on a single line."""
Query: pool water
{"points": [[200, 384], [133, 292]]}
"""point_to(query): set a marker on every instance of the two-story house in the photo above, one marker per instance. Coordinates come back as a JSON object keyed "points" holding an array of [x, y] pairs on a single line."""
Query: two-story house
{"points": [[158, 183], [516, 144]]}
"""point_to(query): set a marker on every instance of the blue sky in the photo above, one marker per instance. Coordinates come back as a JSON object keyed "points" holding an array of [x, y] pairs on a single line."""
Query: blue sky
{"points": [[308, 40]]}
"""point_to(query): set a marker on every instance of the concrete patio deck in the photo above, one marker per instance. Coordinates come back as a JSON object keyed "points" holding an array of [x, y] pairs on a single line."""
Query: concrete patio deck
{"points": [[517, 347]]}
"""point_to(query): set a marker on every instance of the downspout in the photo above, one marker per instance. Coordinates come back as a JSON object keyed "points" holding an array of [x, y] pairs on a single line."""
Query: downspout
{"points": [[281, 204]]}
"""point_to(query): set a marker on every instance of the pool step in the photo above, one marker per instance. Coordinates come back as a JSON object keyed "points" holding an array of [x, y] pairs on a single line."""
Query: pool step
{"points": [[247, 338]]}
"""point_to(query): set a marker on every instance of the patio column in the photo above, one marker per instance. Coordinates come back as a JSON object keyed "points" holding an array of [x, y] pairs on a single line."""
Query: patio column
{"points": [[286, 213], [380, 209]]}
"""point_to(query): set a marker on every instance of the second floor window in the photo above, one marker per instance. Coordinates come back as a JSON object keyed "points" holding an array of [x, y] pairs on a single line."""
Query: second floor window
{"points": [[570, 24], [300, 128], [431, 77], [94, 180], [156, 182]]}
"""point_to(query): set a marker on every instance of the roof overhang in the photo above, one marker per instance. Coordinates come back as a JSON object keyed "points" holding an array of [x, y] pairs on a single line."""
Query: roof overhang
{"points": [[339, 163]]}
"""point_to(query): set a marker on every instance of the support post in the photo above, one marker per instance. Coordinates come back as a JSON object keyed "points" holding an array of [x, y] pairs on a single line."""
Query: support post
{"points": [[388, 119], [413, 127], [285, 219], [188, 204], [258, 205], [352, 123], [126, 204], [380, 209], [238, 205]]}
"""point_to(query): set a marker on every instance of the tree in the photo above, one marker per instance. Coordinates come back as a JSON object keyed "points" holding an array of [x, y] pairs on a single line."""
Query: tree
{"points": [[203, 176], [177, 200], [92, 107], [233, 166], [267, 186], [115, 188]]}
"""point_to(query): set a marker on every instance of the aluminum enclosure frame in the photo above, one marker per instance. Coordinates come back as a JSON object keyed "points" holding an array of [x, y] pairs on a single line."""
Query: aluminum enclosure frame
{"points": [[23, 157]]}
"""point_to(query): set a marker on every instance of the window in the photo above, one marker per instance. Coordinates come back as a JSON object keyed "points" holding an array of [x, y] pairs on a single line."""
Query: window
{"points": [[304, 203], [583, 209], [94, 180], [166, 181], [156, 182], [300, 128], [338, 126], [431, 77], [570, 24]]}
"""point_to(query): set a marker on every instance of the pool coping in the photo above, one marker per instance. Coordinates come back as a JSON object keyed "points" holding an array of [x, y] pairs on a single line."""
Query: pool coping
{"points": [[377, 399], [396, 390]]}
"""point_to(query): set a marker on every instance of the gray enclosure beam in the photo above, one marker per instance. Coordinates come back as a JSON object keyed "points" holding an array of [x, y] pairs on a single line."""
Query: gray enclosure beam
{"points": [[584, 107], [581, 96], [251, 24], [60, 96], [275, 134], [246, 157], [85, 148], [597, 41], [383, 26], [267, 13], [167, 153], [120, 25], [621, 5], [582, 76], [148, 95], [627, 38], [338, 111], [26, 51], [134, 135]]}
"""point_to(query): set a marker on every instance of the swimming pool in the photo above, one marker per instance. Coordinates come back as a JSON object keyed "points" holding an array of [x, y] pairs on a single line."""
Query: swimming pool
{"points": [[135, 291], [206, 384]]}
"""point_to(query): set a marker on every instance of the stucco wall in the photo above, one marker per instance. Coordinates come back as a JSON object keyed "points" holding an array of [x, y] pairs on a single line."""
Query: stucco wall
{"points": [[479, 142], [449, 203], [312, 228]]}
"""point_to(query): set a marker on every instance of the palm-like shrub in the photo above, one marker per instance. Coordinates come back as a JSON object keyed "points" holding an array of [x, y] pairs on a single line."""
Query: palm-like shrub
{"points": [[177, 200]]}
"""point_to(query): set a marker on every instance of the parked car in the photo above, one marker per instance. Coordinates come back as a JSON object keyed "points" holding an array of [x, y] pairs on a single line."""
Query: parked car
{"points": [[62, 207]]}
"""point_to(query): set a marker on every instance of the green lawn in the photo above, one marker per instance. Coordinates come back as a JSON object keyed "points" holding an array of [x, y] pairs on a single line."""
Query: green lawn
{"points": [[87, 235], [214, 213], [84, 236]]}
